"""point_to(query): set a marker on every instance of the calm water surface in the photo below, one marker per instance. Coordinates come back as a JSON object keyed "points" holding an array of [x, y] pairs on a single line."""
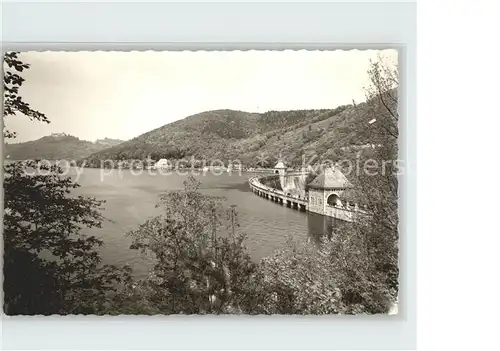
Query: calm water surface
{"points": [[131, 199]]}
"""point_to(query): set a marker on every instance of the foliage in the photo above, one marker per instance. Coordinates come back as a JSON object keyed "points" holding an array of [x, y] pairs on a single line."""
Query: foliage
{"points": [[271, 181], [230, 135], [357, 270], [299, 280], [49, 266], [362, 283], [335, 277], [13, 102], [201, 265], [379, 190], [311, 175], [202, 269], [200, 262]]}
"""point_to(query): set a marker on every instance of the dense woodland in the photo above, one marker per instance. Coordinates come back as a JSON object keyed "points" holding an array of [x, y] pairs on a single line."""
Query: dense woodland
{"points": [[235, 135], [201, 264]]}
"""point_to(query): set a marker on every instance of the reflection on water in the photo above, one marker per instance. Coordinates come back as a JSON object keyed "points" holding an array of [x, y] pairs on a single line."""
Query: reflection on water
{"points": [[318, 225]]}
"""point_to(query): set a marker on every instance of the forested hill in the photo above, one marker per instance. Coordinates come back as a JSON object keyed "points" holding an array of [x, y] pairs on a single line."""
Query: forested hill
{"points": [[56, 147], [230, 135]]}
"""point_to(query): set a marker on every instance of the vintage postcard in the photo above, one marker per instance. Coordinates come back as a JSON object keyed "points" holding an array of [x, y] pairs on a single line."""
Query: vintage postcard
{"points": [[201, 182]]}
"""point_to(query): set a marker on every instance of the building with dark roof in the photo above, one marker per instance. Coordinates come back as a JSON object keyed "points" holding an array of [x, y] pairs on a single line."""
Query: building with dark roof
{"points": [[326, 189], [331, 179]]}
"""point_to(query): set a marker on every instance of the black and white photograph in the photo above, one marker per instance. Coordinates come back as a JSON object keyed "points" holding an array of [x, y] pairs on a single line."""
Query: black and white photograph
{"points": [[257, 182]]}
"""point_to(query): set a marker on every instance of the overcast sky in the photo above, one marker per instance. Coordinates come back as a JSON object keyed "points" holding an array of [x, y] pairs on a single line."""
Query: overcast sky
{"points": [[121, 95]]}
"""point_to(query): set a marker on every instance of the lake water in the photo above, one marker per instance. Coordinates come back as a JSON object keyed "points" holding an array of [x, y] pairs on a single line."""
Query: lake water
{"points": [[131, 199]]}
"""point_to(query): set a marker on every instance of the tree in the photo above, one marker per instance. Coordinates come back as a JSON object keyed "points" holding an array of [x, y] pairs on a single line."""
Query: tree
{"points": [[49, 266], [13, 102], [380, 116], [201, 265], [357, 270], [329, 277], [378, 189], [300, 279]]}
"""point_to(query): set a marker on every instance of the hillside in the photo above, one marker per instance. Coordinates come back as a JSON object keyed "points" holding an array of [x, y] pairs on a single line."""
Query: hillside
{"points": [[108, 142], [231, 135], [57, 146]]}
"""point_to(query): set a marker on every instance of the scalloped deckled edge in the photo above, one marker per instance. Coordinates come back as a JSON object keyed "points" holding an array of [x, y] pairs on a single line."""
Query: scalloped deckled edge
{"points": [[204, 47]]}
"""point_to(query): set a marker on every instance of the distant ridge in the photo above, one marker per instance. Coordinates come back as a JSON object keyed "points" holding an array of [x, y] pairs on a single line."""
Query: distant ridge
{"points": [[56, 146]]}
